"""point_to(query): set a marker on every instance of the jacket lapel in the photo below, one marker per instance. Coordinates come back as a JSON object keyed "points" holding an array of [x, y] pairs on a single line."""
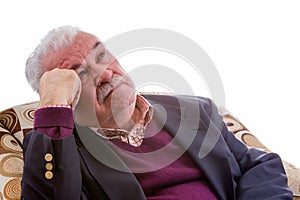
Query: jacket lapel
{"points": [[206, 147], [107, 168]]}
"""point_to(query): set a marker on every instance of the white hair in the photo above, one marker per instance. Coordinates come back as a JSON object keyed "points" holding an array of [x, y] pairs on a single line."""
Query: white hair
{"points": [[55, 40]]}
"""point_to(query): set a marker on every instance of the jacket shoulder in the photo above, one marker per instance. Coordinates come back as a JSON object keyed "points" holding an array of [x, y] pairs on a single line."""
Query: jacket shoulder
{"points": [[193, 106]]}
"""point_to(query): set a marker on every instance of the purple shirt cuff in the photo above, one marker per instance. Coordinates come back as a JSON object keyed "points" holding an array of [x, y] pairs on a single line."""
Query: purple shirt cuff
{"points": [[54, 122]]}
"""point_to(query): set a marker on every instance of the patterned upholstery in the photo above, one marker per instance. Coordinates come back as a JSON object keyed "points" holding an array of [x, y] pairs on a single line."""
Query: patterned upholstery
{"points": [[17, 121], [14, 123]]}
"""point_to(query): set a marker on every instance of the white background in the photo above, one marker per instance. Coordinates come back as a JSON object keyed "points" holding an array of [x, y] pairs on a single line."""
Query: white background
{"points": [[255, 46]]}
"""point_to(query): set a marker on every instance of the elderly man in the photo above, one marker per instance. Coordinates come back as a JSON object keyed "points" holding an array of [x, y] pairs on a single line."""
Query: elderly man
{"points": [[95, 138]]}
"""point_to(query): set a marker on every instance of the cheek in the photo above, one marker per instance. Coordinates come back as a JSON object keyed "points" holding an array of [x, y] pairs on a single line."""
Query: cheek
{"points": [[85, 112], [87, 98]]}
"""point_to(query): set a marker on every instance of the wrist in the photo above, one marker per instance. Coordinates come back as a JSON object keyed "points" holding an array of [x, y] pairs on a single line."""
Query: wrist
{"points": [[56, 106], [53, 102]]}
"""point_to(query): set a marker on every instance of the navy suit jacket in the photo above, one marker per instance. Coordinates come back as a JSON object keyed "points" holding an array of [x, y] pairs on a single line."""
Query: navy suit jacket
{"points": [[95, 171]]}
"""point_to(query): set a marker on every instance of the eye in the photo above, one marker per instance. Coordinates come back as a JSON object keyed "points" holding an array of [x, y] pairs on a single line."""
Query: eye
{"points": [[101, 55], [83, 72]]}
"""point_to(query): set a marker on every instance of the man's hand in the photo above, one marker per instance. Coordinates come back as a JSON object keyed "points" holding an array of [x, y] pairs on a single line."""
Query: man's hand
{"points": [[59, 86]]}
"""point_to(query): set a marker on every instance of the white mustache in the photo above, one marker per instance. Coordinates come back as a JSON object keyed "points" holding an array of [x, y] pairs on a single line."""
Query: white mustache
{"points": [[104, 89]]}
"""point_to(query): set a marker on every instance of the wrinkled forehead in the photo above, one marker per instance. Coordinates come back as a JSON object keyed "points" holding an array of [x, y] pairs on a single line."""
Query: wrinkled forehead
{"points": [[71, 55]]}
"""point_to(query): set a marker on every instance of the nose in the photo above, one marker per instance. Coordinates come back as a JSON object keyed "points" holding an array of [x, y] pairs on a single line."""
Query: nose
{"points": [[106, 75]]}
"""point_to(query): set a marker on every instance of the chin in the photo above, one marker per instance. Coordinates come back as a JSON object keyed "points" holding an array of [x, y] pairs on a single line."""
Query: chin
{"points": [[122, 111], [122, 116]]}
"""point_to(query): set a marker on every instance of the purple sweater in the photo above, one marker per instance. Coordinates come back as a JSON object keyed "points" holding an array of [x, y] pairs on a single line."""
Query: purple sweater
{"points": [[181, 179]]}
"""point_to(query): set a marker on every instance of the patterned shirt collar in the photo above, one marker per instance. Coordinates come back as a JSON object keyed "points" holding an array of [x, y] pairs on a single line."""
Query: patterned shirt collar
{"points": [[136, 135]]}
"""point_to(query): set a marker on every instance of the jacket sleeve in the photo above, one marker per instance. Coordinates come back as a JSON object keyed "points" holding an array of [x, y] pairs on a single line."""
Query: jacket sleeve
{"points": [[51, 164], [262, 175]]}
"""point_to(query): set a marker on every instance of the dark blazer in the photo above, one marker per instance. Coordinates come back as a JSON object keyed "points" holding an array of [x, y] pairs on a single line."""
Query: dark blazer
{"points": [[85, 167]]}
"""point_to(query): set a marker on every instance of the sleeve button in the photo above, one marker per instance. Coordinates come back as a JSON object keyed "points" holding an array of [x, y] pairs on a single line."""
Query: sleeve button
{"points": [[48, 157], [49, 166], [48, 175]]}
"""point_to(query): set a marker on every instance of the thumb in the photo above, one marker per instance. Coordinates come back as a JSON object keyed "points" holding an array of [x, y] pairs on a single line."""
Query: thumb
{"points": [[76, 92]]}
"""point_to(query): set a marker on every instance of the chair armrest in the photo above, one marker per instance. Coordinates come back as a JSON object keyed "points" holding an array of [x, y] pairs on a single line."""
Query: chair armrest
{"points": [[243, 134]]}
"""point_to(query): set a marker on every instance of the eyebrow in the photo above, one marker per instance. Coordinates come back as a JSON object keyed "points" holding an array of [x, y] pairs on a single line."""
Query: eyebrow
{"points": [[97, 44], [76, 66]]}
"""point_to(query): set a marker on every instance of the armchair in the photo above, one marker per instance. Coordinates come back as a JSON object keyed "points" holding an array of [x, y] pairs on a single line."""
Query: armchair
{"points": [[15, 122]]}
